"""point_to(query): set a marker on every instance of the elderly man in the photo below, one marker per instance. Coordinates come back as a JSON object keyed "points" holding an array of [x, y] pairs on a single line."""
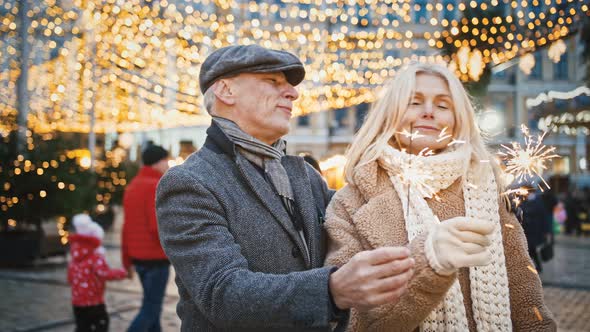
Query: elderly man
{"points": [[241, 222]]}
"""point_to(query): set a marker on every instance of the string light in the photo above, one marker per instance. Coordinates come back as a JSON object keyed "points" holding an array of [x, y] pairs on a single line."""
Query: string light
{"points": [[133, 65]]}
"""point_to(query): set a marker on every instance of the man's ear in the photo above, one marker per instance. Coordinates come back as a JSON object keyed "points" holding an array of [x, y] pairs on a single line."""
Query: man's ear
{"points": [[223, 91]]}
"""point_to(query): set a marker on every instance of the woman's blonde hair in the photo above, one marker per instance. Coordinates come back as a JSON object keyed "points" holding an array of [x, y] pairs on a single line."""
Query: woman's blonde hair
{"points": [[385, 116]]}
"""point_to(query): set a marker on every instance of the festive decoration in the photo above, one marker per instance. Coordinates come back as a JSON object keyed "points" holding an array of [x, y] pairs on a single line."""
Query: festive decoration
{"points": [[46, 182], [527, 63], [556, 50], [53, 179], [562, 112], [114, 65]]}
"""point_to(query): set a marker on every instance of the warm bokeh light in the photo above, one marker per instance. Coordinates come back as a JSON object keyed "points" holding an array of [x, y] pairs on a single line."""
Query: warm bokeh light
{"points": [[122, 66]]}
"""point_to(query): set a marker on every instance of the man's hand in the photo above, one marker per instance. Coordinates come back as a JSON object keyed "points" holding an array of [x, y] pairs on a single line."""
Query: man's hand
{"points": [[372, 278]]}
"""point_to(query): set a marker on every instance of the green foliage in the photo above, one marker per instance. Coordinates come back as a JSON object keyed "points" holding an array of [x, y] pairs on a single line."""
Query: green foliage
{"points": [[42, 183], [473, 40], [113, 174]]}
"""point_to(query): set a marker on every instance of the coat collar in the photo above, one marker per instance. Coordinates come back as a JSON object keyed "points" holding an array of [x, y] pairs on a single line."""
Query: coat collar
{"points": [[382, 205], [370, 179], [219, 142]]}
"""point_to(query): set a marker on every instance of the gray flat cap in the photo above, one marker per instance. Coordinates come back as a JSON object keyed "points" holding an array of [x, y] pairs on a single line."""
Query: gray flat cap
{"points": [[234, 60]]}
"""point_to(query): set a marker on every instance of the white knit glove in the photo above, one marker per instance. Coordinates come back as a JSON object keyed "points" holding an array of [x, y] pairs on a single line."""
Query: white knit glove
{"points": [[458, 242]]}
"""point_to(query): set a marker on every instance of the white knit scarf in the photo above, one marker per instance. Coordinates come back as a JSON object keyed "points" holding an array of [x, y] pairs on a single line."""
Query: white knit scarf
{"points": [[489, 284]]}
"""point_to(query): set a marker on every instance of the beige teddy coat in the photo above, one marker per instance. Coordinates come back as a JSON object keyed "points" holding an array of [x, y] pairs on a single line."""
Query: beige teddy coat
{"points": [[368, 214]]}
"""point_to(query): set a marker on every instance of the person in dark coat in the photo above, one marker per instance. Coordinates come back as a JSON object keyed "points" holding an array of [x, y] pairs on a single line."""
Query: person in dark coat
{"points": [[242, 223], [537, 223], [573, 208]]}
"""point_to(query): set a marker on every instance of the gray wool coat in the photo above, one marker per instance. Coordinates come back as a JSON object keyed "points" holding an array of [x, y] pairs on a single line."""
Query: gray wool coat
{"points": [[240, 263]]}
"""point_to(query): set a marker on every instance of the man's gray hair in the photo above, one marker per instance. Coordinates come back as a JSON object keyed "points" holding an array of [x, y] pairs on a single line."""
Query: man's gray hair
{"points": [[209, 100]]}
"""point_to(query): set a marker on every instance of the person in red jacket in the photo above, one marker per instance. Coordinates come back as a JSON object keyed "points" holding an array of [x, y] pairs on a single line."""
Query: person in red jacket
{"points": [[88, 273], [141, 247]]}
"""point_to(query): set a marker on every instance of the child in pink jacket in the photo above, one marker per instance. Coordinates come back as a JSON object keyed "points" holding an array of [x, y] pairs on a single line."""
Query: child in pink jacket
{"points": [[88, 273]]}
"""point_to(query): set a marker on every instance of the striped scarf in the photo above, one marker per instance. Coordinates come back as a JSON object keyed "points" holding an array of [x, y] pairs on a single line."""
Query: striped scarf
{"points": [[266, 157]]}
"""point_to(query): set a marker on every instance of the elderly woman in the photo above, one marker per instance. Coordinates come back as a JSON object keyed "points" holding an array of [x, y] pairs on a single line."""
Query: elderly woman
{"points": [[419, 175]]}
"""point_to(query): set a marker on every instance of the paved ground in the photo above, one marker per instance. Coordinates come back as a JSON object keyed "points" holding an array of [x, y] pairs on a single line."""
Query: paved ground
{"points": [[38, 298]]}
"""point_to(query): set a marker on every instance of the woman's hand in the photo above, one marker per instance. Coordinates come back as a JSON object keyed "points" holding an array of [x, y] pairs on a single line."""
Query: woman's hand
{"points": [[459, 242]]}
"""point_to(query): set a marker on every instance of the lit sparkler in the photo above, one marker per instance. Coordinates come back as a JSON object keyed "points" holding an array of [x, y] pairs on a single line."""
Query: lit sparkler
{"points": [[524, 163], [443, 135], [412, 171]]}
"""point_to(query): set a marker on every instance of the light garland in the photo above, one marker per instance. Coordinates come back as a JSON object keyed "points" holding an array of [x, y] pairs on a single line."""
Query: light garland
{"points": [[527, 63], [134, 64]]}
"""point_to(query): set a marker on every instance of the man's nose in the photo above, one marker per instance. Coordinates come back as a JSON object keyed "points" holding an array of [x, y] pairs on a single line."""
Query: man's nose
{"points": [[291, 93]]}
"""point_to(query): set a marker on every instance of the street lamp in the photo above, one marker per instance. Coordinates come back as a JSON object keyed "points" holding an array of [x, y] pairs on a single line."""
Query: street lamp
{"points": [[491, 122]]}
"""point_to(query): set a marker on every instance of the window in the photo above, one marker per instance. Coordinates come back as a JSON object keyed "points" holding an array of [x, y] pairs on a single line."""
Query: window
{"points": [[449, 10], [363, 16], [360, 114], [420, 11], [303, 121], [391, 15], [560, 68], [501, 75], [394, 53], [340, 117], [281, 8], [537, 71]]}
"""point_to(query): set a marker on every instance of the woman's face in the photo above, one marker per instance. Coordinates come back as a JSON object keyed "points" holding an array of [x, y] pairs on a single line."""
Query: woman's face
{"points": [[430, 111]]}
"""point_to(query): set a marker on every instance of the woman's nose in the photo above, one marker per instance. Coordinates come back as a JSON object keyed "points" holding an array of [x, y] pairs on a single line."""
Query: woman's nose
{"points": [[428, 110]]}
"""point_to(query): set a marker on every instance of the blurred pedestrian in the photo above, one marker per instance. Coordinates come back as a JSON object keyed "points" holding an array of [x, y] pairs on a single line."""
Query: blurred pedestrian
{"points": [[88, 272], [537, 222], [313, 162], [573, 208], [141, 247]]}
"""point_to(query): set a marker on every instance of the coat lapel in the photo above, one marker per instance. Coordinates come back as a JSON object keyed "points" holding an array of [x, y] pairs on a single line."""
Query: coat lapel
{"points": [[306, 205], [270, 200], [382, 209]]}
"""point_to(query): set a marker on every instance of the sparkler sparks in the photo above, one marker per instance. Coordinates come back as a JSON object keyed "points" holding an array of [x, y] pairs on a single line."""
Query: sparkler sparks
{"points": [[456, 141], [532, 269], [412, 135], [412, 174], [538, 314], [518, 195], [529, 161], [443, 135], [412, 171]]}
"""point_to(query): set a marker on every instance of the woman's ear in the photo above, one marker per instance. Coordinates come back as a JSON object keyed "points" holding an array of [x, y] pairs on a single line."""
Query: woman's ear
{"points": [[223, 91]]}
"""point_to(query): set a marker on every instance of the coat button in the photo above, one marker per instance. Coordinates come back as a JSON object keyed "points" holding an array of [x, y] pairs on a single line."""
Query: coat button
{"points": [[295, 252]]}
